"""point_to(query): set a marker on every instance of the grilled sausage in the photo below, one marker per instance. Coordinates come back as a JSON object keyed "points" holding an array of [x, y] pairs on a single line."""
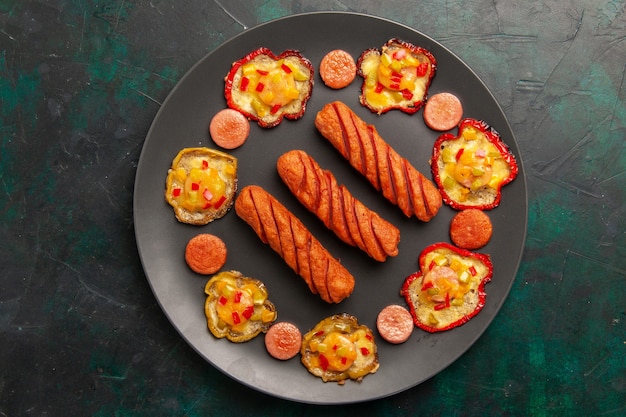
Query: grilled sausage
{"points": [[287, 236], [358, 142], [336, 207]]}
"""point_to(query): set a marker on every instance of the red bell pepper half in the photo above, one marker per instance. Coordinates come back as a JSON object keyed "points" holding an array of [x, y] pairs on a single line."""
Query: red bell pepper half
{"points": [[396, 76], [449, 288], [292, 64], [471, 168]]}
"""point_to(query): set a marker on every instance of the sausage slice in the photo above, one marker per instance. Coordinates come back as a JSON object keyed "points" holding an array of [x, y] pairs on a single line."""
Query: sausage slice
{"points": [[205, 254], [229, 128], [337, 69], [395, 324], [443, 111], [283, 340]]}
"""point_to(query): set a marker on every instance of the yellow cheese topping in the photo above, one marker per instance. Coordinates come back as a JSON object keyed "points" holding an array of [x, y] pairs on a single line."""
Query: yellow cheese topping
{"points": [[448, 279], [470, 163], [271, 84], [200, 187], [394, 77]]}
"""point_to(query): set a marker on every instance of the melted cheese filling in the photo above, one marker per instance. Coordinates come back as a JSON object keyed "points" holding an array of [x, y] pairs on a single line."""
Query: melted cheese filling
{"points": [[265, 85], [471, 163], [395, 77], [201, 183], [449, 287]]}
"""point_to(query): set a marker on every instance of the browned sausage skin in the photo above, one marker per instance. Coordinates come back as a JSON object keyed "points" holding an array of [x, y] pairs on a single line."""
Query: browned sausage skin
{"points": [[385, 169], [287, 236], [353, 222]]}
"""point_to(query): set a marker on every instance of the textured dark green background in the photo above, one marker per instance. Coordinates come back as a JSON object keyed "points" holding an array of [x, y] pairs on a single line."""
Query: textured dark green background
{"points": [[82, 334]]}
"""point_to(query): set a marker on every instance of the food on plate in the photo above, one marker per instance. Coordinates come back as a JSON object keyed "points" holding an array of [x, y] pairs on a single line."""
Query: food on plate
{"points": [[336, 207], [205, 253], [337, 69], [471, 167], [338, 349], [443, 111], [201, 185], [283, 340], [237, 307], [449, 288], [267, 88], [395, 324], [471, 229], [229, 128], [397, 76], [275, 225], [358, 142]]}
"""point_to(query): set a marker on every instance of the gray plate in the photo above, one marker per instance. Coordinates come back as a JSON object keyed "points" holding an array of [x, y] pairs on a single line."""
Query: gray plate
{"points": [[182, 122]]}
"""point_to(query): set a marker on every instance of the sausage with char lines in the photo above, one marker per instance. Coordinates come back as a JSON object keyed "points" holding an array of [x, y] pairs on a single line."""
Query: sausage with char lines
{"points": [[336, 207], [289, 237], [385, 169]]}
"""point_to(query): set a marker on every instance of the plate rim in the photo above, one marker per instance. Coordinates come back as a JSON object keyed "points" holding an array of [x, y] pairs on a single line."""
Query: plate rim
{"points": [[163, 108]]}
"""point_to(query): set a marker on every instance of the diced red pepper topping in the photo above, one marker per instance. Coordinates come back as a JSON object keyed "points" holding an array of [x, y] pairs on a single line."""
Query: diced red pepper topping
{"points": [[365, 351], [286, 68], [459, 153], [195, 186], [275, 109], [220, 201], [237, 298], [379, 88], [262, 72], [248, 312], [205, 164], [428, 285], [344, 360], [399, 54], [223, 300], [176, 192], [321, 332], [207, 194], [323, 363], [245, 81], [207, 205], [369, 337], [407, 94], [259, 87], [236, 318], [439, 306], [431, 265], [422, 69], [447, 299], [472, 270], [335, 347]]}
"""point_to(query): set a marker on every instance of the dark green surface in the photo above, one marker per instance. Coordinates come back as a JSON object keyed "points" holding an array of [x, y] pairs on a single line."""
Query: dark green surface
{"points": [[80, 82]]}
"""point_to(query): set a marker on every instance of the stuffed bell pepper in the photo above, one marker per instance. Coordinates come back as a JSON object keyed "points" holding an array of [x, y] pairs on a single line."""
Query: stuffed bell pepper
{"points": [[448, 290]]}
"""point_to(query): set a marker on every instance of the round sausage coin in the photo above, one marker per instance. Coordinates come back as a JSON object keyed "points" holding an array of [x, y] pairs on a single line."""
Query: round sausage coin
{"points": [[443, 111], [229, 129], [395, 324], [337, 69], [205, 254], [471, 229], [283, 340]]}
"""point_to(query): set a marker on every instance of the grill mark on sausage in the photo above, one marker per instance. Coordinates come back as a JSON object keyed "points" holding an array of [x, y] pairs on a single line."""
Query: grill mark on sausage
{"points": [[409, 187]]}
